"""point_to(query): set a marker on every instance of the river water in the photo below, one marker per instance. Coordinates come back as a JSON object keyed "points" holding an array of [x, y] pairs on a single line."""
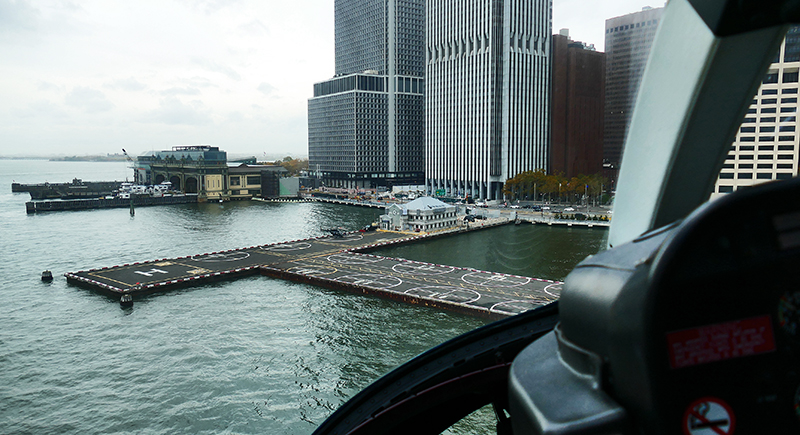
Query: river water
{"points": [[256, 355]]}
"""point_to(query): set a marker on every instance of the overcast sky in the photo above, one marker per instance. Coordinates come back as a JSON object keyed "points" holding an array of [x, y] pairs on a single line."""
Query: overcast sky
{"points": [[95, 76]]}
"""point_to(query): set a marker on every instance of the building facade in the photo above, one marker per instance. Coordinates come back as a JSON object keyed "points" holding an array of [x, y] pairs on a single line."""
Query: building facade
{"points": [[423, 214], [576, 115], [366, 124], [766, 147], [487, 97], [200, 169], [628, 42]]}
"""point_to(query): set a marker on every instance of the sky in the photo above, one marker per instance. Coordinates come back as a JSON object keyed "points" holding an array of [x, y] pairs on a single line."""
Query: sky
{"points": [[94, 76]]}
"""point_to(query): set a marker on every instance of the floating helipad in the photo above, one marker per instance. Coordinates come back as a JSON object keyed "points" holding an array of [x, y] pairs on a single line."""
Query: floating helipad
{"points": [[339, 263]]}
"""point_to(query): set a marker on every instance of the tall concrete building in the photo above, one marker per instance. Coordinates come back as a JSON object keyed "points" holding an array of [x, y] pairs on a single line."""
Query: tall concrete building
{"points": [[487, 98], [366, 124], [576, 115], [766, 147], [628, 42]]}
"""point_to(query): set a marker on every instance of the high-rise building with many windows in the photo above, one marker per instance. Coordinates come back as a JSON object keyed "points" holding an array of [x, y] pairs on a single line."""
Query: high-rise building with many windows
{"points": [[628, 42], [766, 147], [365, 125], [487, 97]]}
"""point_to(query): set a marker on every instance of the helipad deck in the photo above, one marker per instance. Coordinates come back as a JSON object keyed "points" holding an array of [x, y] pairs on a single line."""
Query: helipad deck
{"points": [[336, 263]]}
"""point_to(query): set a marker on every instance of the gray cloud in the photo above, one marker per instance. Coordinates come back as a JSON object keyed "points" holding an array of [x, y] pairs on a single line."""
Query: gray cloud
{"points": [[180, 91], [18, 16], [266, 88], [42, 109], [88, 99], [174, 112], [47, 86], [129, 84], [254, 28], [215, 67]]}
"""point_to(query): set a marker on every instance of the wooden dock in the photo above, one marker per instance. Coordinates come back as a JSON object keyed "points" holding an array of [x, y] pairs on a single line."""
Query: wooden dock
{"points": [[338, 263]]}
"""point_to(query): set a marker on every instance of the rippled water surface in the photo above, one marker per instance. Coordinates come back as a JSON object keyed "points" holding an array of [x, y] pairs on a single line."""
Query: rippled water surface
{"points": [[256, 355]]}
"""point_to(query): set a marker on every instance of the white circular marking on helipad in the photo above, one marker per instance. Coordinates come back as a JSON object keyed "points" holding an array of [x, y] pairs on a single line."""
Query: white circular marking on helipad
{"points": [[221, 257], [347, 238], [446, 293], [421, 269], [514, 307], [352, 259], [554, 289], [372, 280], [289, 247], [488, 279]]}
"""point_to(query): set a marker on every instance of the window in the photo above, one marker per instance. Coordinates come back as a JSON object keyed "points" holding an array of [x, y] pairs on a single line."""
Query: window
{"points": [[726, 175], [745, 166], [790, 91], [771, 76], [766, 129], [747, 139], [787, 118], [769, 110], [769, 92], [766, 147], [787, 128], [788, 100], [725, 189], [745, 176], [768, 119], [786, 110], [785, 147], [727, 166], [747, 129], [765, 157], [746, 148], [769, 101], [746, 157], [766, 138], [749, 120], [786, 138], [253, 179], [783, 176], [764, 176], [785, 157], [235, 181], [765, 166], [790, 76], [785, 166]]}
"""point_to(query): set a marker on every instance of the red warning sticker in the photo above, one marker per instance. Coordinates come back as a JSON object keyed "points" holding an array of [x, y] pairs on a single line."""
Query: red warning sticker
{"points": [[719, 342], [709, 415]]}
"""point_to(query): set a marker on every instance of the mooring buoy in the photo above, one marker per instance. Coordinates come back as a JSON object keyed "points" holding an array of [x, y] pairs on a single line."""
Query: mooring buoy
{"points": [[126, 300], [47, 276]]}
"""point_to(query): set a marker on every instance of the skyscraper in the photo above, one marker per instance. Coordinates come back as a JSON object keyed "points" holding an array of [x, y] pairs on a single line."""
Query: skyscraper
{"points": [[766, 147], [487, 98], [365, 125], [628, 42], [577, 107]]}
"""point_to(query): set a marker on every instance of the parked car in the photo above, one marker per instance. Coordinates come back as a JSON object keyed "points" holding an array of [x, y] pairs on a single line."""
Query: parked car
{"points": [[569, 209]]}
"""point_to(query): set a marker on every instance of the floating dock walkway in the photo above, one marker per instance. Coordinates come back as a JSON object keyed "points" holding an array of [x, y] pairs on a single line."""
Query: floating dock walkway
{"points": [[338, 263]]}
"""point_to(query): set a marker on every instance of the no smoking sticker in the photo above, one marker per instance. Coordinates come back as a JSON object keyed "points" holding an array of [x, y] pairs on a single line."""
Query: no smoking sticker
{"points": [[708, 415]]}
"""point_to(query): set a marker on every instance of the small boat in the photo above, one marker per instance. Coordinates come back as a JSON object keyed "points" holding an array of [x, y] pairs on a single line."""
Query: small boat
{"points": [[47, 276]]}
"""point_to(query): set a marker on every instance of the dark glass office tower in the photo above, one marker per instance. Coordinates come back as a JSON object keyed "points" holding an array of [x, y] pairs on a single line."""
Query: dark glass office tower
{"points": [[365, 125]]}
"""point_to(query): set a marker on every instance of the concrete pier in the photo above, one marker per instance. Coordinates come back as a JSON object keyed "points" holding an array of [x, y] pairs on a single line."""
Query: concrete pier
{"points": [[338, 263]]}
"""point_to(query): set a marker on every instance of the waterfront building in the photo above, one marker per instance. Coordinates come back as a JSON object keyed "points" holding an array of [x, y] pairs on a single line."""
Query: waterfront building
{"points": [[424, 214], [258, 181], [576, 114], [366, 124], [766, 147], [200, 169], [627, 45], [487, 97]]}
